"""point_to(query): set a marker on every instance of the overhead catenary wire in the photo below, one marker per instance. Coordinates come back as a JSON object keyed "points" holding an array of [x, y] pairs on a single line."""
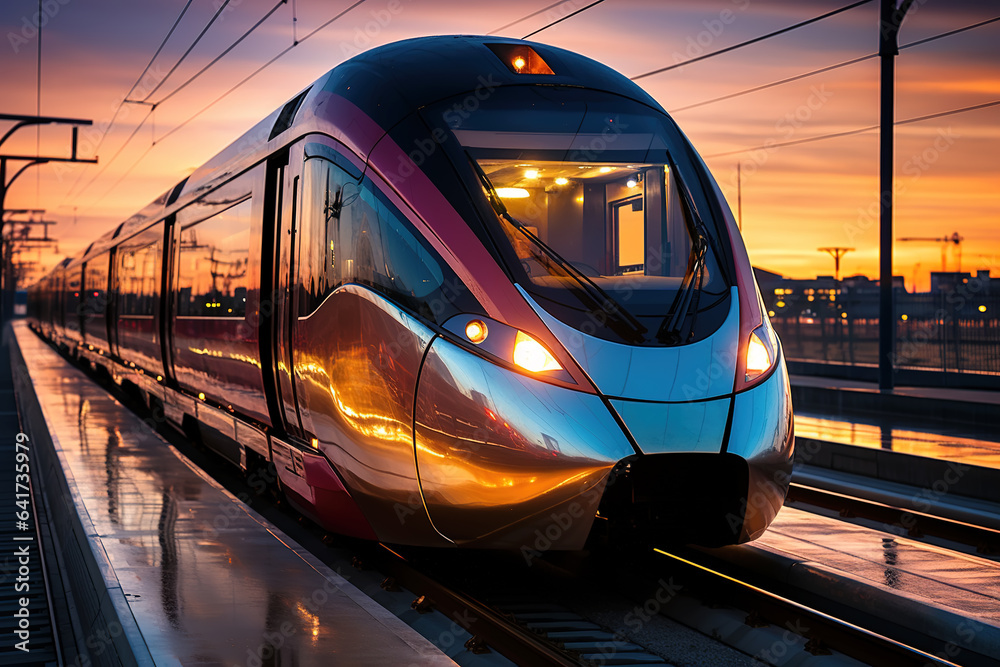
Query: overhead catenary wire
{"points": [[259, 70], [108, 162], [118, 108], [765, 86], [184, 55], [525, 18], [230, 91], [860, 130], [223, 54], [570, 15], [830, 68], [157, 53], [748, 42], [183, 85]]}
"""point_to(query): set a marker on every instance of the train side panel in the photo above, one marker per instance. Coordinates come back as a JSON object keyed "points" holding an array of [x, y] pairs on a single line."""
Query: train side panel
{"points": [[216, 299], [139, 263]]}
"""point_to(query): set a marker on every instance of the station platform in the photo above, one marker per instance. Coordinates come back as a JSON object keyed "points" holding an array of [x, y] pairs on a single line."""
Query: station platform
{"points": [[915, 436], [945, 404], [166, 567], [907, 589]]}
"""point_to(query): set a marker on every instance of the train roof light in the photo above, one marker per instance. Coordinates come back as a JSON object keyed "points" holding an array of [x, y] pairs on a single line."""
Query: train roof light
{"points": [[520, 58], [532, 356]]}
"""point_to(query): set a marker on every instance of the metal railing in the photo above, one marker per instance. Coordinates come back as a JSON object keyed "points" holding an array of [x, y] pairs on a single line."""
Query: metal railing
{"points": [[940, 331]]}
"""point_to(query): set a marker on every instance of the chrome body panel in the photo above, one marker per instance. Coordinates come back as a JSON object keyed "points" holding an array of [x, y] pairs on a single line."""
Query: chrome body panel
{"points": [[762, 434], [697, 371], [502, 456], [660, 428], [356, 363]]}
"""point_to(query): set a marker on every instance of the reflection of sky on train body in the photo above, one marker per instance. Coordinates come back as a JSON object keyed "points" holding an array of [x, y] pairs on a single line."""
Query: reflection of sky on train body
{"points": [[963, 449]]}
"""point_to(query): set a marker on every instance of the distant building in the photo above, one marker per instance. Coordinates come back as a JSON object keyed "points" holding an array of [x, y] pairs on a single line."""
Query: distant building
{"points": [[856, 297], [977, 283]]}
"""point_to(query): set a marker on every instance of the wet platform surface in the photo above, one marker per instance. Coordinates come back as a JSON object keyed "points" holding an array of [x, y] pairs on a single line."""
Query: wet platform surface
{"points": [[207, 580], [966, 584], [962, 444]]}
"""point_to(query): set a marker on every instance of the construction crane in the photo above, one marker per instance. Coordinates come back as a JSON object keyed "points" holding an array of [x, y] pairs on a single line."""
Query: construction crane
{"points": [[955, 239]]}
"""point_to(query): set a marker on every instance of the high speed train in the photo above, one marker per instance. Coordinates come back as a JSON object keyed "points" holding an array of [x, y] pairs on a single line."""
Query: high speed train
{"points": [[461, 290]]}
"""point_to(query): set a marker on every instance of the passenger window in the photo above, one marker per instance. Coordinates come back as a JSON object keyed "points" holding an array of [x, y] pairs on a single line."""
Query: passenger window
{"points": [[95, 286], [352, 234], [212, 264], [73, 302], [139, 273]]}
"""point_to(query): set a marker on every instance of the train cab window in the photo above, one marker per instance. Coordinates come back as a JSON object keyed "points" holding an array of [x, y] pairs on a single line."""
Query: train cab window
{"points": [[139, 273], [352, 234], [598, 214], [213, 257]]}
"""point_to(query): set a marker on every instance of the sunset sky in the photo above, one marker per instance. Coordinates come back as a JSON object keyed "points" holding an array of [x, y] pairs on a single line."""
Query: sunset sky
{"points": [[795, 198]]}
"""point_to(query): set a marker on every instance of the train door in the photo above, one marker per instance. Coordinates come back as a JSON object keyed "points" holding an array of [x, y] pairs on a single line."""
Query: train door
{"points": [[278, 302], [164, 308], [111, 304]]}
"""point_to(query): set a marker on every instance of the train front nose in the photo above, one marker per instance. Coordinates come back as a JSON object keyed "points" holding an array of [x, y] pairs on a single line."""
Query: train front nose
{"points": [[724, 486], [713, 465], [506, 460]]}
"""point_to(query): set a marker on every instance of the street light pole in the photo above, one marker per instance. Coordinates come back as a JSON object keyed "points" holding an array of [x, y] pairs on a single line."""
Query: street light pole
{"points": [[890, 18]]}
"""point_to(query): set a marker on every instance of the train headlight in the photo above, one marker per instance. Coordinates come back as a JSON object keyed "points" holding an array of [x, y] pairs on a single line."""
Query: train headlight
{"points": [[476, 331], [761, 352], [508, 346], [532, 356]]}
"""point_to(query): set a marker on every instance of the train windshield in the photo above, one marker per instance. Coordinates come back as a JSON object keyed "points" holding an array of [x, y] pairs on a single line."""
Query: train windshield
{"points": [[593, 216]]}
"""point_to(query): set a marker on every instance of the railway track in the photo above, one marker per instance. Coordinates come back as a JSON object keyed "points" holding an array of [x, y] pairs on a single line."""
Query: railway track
{"points": [[823, 632], [915, 524], [532, 632]]}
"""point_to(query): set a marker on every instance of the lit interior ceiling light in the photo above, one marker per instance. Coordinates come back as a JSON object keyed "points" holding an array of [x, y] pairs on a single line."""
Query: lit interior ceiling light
{"points": [[562, 181], [531, 173], [632, 182], [605, 170], [512, 193]]}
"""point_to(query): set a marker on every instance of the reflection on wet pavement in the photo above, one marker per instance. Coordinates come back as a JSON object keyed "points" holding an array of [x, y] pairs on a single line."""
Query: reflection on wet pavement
{"points": [[967, 584], [207, 580], [967, 447]]}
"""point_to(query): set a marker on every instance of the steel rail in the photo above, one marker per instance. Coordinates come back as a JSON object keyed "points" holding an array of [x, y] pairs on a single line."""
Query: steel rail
{"points": [[916, 524], [499, 632], [821, 630]]}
